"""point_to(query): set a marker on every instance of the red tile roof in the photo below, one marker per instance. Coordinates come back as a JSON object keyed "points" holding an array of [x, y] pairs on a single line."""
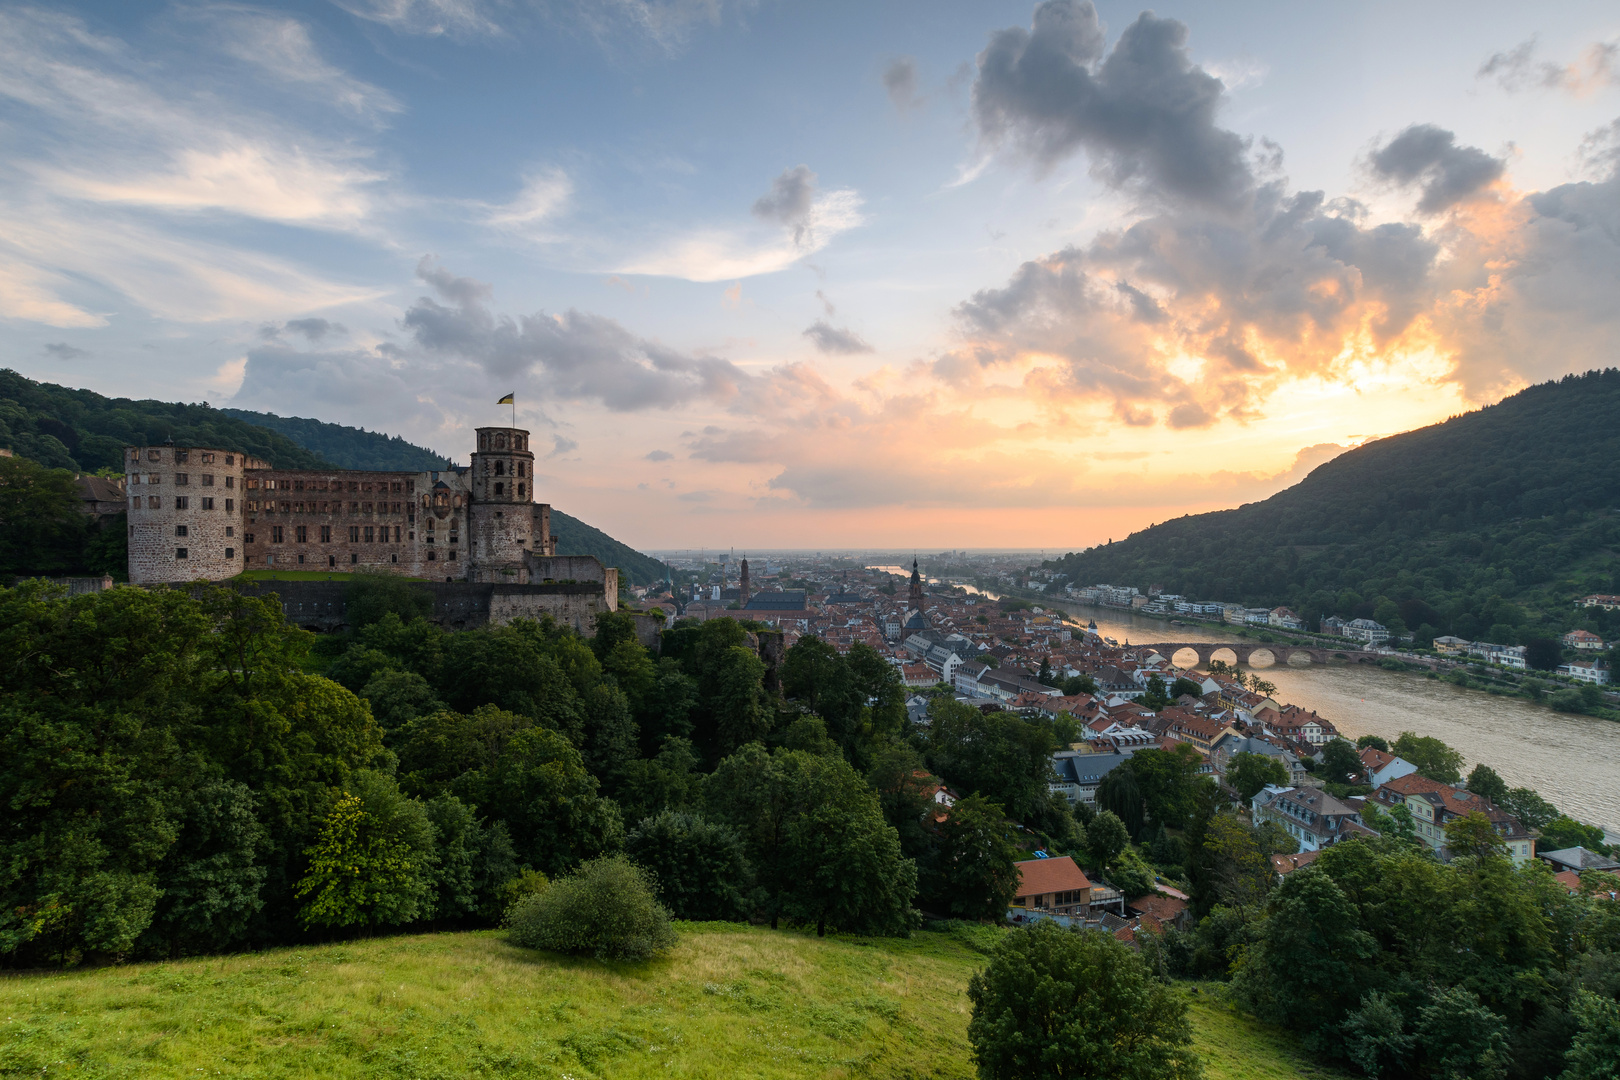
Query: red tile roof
{"points": [[1040, 876]]}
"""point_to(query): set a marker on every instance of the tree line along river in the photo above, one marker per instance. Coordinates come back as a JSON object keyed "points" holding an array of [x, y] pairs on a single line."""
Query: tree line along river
{"points": [[1572, 760]]}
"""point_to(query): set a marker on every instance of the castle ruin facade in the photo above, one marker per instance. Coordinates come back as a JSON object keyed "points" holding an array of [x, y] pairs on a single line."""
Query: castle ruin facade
{"points": [[200, 514]]}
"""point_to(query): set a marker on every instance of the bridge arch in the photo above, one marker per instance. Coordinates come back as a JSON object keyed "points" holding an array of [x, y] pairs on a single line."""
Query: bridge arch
{"points": [[1261, 657], [1225, 654], [1187, 657], [1300, 658]]}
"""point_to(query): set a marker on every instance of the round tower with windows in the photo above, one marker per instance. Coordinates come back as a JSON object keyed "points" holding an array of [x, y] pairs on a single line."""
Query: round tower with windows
{"points": [[503, 526], [185, 513]]}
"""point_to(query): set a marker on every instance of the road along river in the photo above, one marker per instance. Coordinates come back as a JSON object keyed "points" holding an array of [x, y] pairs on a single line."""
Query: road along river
{"points": [[1573, 761]]}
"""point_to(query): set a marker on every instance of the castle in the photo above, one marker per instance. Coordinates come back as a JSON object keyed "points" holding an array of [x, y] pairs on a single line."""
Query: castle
{"points": [[199, 514]]}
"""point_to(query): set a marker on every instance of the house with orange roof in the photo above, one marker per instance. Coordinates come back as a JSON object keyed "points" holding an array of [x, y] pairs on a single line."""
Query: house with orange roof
{"points": [[1433, 805], [1055, 886]]}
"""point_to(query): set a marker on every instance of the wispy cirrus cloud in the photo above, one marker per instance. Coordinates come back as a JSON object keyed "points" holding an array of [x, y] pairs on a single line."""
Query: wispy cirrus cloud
{"points": [[119, 163]]}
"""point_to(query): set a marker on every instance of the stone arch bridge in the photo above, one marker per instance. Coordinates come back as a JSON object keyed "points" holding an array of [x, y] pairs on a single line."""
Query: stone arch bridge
{"points": [[1281, 652]]}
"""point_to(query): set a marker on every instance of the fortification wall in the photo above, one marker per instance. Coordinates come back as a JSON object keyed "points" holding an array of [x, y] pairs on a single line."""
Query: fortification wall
{"points": [[457, 605]]}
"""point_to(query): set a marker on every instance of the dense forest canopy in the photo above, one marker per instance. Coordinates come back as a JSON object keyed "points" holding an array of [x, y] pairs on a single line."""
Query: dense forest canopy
{"points": [[81, 430], [347, 447], [1487, 525]]}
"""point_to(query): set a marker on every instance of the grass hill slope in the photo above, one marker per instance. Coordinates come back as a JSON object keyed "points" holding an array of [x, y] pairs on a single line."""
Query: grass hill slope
{"points": [[1486, 525], [730, 1001]]}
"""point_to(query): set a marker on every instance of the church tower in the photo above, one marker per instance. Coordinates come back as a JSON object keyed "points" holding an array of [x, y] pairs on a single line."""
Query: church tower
{"points": [[742, 590], [916, 596]]}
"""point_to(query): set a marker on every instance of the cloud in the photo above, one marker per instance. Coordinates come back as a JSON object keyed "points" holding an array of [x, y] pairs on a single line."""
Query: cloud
{"points": [[561, 446], [61, 350], [832, 339], [789, 201], [543, 196], [432, 18], [312, 330], [1143, 111], [659, 455], [282, 47], [1518, 69], [1429, 156], [575, 354], [900, 80], [808, 221], [120, 156]]}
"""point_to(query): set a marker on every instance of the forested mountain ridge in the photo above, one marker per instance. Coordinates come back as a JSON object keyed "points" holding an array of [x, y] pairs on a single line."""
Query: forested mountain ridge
{"points": [[344, 446], [81, 430], [1489, 524]]}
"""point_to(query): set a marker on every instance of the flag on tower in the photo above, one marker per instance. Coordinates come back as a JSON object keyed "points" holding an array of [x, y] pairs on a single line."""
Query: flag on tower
{"points": [[509, 399]]}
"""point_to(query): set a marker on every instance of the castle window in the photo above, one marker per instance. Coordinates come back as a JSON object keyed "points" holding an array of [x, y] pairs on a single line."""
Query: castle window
{"points": [[230, 553], [275, 534], [134, 477], [452, 555], [454, 538], [182, 478], [298, 485], [354, 534], [393, 558], [230, 530], [500, 489], [431, 556], [396, 534], [208, 459], [208, 479], [353, 558], [180, 530], [230, 459], [302, 533], [230, 504], [247, 538], [331, 560], [154, 455], [500, 468], [179, 553], [326, 534], [230, 481], [520, 469], [520, 491], [180, 457], [182, 502]]}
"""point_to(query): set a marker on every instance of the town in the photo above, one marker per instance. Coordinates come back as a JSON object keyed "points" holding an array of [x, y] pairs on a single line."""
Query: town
{"points": [[956, 639]]}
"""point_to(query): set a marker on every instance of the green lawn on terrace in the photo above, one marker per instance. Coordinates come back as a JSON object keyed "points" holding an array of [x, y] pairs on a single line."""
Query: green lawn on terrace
{"points": [[730, 1001]]}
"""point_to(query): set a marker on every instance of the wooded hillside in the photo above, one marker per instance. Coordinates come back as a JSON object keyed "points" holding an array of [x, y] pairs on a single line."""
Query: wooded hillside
{"points": [[1487, 525]]}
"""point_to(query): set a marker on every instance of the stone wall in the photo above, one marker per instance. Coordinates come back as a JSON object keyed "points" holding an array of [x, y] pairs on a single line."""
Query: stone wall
{"points": [[457, 605]]}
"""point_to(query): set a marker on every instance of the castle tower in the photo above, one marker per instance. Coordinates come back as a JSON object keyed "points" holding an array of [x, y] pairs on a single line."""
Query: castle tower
{"points": [[506, 524], [742, 589], [185, 513], [915, 598]]}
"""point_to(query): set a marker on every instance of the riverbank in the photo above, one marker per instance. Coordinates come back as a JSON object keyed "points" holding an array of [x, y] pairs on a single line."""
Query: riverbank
{"points": [[1568, 757]]}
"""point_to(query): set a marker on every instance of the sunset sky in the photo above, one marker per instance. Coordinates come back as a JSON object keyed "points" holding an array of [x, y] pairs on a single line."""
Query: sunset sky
{"points": [[927, 274]]}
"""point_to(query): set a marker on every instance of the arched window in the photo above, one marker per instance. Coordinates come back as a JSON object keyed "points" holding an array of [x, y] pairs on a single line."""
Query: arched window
{"points": [[500, 468], [500, 489]]}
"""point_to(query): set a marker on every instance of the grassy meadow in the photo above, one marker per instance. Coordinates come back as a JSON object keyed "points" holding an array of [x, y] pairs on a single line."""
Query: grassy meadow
{"points": [[730, 1001]]}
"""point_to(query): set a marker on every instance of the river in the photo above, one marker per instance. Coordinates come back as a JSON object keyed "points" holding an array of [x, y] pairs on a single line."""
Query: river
{"points": [[1573, 761]]}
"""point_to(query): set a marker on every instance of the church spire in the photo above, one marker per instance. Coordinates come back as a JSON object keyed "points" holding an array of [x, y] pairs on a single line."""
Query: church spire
{"points": [[915, 598]]}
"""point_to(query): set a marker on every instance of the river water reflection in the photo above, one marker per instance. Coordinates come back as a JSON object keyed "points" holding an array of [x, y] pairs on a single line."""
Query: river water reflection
{"points": [[1573, 761]]}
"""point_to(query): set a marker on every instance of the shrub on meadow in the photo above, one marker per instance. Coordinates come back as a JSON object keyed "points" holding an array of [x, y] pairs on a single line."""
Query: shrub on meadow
{"points": [[608, 908]]}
